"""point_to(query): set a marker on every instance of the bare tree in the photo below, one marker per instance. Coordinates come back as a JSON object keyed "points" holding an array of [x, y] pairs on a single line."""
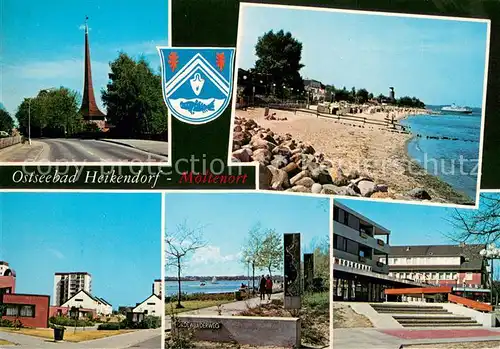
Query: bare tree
{"points": [[479, 226], [179, 246]]}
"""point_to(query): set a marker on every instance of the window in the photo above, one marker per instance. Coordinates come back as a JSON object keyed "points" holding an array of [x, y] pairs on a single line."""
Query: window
{"points": [[468, 277], [339, 243], [20, 310], [27, 311], [151, 303], [353, 222], [78, 300], [352, 247], [394, 260], [336, 214], [145, 312], [441, 276], [12, 310]]}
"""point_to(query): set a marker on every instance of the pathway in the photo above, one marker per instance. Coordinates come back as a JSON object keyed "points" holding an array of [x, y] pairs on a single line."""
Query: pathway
{"points": [[135, 339], [355, 338], [227, 309]]}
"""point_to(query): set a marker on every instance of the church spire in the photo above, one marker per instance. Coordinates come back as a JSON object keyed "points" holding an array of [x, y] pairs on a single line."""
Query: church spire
{"points": [[89, 108]]}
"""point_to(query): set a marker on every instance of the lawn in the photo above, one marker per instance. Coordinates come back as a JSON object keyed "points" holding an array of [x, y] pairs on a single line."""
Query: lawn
{"points": [[69, 335], [4, 342], [193, 305]]}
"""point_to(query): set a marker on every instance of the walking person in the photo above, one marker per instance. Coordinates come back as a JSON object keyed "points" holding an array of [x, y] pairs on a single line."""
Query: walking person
{"points": [[262, 288], [269, 287]]}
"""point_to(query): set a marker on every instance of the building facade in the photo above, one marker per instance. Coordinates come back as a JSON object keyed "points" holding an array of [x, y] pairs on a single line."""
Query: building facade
{"points": [[7, 278], [85, 300], [157, 287], [66, 285], [153, 305], [360, 252], [30, 309], [315, 89], [458, 266]]}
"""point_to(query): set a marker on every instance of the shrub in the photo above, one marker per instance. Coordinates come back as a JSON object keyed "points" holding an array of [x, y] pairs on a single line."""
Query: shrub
{"points": [[150, 322], [110, 326], [67, 321], [6, 323]]}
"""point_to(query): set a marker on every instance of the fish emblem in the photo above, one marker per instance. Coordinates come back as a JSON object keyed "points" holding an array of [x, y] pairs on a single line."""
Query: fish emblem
{"points": [[197, 106]]}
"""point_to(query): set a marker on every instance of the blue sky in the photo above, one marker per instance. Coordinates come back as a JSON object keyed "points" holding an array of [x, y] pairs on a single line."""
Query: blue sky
{"points": [[227, 218], [114, 237], [43, 42], [438, 61]]}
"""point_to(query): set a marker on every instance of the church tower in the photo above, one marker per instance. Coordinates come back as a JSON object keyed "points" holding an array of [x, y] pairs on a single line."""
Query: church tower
{"points": [[89, 108]]}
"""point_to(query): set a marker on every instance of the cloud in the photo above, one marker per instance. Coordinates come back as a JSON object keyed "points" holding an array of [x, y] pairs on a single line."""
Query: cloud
{"points": [[56, 253], [211, 255]]}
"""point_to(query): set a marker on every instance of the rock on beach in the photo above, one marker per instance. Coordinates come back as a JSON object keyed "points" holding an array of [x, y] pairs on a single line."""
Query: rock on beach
{"points": [[288, 164]]}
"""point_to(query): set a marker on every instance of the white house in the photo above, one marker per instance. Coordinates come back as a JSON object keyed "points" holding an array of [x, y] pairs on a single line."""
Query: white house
{"points": [[83, 299], [153, 305]]}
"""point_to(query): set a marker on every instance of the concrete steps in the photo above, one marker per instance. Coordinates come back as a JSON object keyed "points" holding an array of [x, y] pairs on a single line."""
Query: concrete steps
{"points": [[411, 315]]}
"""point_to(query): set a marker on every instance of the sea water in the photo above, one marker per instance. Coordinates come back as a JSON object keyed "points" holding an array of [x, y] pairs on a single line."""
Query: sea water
{"points": [[441, 157], [222, 286]]}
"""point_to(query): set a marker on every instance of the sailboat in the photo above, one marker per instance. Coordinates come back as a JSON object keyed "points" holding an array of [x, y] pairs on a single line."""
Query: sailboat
{"points": [[214, 280]]}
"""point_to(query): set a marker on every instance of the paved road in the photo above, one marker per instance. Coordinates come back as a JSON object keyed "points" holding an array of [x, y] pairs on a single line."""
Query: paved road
{"points": [[86, 150], [147, 339], [153, 343]]}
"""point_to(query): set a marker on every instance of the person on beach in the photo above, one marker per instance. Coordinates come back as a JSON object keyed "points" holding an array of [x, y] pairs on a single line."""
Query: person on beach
{"points": [[262, 288], [269, 287]]}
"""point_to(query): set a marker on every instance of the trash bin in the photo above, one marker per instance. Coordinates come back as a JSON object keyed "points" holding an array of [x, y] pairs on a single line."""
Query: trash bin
{"points": [[58, 334], [237, 295]]}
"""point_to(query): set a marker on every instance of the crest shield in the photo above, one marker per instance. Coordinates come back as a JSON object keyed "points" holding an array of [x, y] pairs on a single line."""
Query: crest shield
{"points": [[196, 82]]}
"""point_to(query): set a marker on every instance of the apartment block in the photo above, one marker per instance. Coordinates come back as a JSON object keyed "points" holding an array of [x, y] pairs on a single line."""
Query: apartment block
{"points": [[66, 285]]}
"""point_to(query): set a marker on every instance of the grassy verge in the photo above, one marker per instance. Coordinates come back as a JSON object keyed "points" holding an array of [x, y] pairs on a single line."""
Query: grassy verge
{"points": [[193, 305], [69, 336]]}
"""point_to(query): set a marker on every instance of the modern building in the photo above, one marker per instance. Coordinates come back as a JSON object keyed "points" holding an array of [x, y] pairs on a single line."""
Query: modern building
{"points": [[360, 258], [315, 89], [66, 285], [7, 278], [85, 300], [157, 287], [30, 309], [153, 305], [459, 266]]}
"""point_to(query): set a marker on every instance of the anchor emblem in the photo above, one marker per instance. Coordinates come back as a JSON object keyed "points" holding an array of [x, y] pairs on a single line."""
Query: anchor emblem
{"points": [[197, 83]]}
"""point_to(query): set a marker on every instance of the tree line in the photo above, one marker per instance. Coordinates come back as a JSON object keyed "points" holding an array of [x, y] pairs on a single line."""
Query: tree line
{"points": [[133, 99], [278, 66]]}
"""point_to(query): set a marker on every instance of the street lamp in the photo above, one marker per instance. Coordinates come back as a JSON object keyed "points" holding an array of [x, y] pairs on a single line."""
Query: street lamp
{"points": [[491, 252]]}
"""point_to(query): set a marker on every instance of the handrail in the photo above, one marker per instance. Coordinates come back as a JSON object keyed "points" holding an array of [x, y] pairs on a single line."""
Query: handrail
{"points": [[469, 303], [418, 290]]}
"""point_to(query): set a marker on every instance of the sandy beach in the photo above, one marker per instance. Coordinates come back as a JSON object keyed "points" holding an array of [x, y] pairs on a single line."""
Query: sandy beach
{"points": [[366, 150]]}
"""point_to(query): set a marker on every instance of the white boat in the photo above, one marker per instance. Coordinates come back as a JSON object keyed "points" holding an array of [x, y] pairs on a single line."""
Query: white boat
{"points": [[456, 109], [214, 280]]}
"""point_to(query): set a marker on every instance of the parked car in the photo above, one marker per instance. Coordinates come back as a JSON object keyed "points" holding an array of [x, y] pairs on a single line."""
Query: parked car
{"points": [[3, 134]]}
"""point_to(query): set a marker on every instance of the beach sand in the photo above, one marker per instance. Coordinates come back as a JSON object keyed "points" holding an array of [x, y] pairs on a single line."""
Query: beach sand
{"points": [[372, 150]]}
